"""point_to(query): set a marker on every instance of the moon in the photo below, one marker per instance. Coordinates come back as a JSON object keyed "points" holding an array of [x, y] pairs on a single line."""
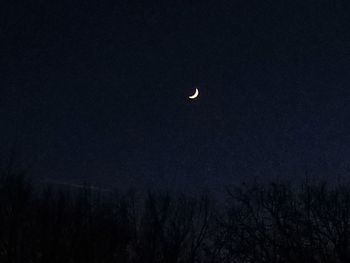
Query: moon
{"points": [[195, 95]]}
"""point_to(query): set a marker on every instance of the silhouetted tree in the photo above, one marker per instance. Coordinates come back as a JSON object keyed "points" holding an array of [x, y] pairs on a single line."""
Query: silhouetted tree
{"points": [[276, 223]]}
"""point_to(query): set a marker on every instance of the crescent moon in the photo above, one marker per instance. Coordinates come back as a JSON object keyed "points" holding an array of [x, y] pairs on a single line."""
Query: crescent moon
{"points": [[195, 95]]}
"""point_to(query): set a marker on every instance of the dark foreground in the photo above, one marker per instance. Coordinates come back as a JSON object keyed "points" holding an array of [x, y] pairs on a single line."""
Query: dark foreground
{"points": [[274, 223]]}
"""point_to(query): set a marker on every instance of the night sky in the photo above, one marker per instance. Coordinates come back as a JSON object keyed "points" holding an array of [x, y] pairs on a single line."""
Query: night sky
{"points": [[97, 91]]}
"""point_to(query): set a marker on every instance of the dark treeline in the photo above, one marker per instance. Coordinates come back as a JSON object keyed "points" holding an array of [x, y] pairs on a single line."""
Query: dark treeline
{"points": [[257, 223]]}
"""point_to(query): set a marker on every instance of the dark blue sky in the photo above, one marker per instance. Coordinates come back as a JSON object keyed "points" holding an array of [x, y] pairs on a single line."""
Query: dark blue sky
{"points": [[97, 91]]}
